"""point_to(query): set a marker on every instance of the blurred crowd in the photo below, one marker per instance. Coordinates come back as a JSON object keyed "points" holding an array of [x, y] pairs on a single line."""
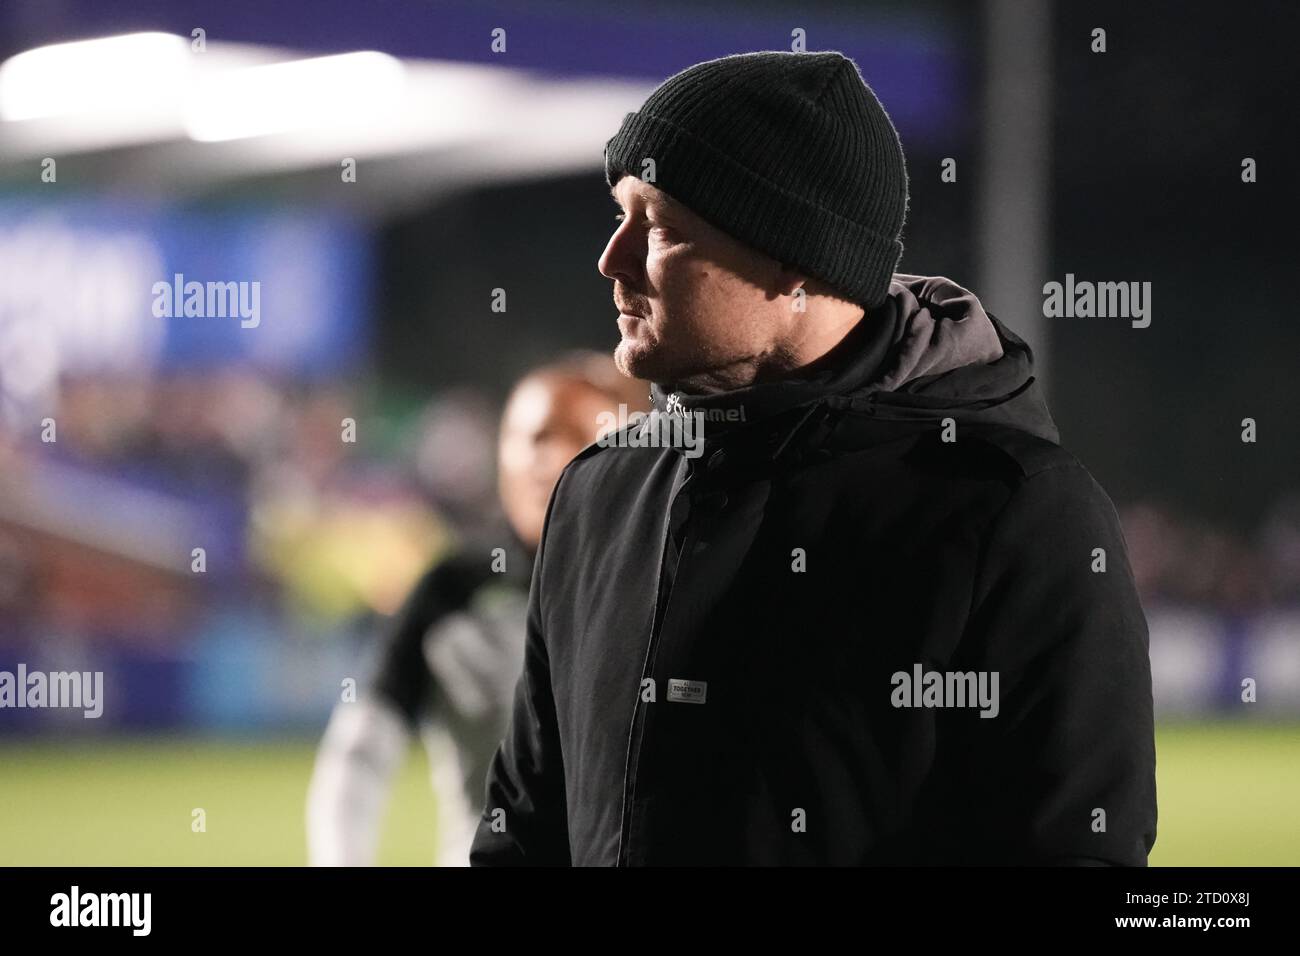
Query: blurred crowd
{"points": [[319, 504], [323, 501], [1180, 558]]}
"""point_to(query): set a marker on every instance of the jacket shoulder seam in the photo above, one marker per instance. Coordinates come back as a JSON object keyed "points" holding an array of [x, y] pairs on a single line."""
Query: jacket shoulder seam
{"points": [[1013, 498]]}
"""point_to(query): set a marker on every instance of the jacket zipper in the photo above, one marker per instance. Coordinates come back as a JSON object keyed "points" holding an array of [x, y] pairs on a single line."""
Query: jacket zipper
{"points": [[636, 732]]}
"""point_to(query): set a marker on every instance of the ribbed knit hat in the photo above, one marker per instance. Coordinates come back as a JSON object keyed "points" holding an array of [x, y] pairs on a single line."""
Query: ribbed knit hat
{"points": [[790, 153]]}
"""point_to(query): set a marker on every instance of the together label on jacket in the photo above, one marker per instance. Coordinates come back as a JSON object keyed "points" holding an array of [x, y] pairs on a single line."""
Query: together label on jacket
{"points": [[688, 691]]}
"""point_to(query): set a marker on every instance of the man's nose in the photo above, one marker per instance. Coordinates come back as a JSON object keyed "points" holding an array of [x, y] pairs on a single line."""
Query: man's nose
{"points": [[619, 260]]}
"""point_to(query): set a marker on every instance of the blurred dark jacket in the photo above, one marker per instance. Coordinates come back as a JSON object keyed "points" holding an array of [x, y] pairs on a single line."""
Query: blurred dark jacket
{"points": [[713, 641]]}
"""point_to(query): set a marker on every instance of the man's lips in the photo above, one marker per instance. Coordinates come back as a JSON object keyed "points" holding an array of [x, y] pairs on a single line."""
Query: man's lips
{"points": [[629, 323]]}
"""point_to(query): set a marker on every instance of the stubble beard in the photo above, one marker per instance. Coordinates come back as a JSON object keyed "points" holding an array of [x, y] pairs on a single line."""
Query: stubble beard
{"points": [[641, 357]]}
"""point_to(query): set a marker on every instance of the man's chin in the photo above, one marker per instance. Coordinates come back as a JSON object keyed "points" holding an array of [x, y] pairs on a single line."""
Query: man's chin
{"points": [[650, 364], [634, 360]]}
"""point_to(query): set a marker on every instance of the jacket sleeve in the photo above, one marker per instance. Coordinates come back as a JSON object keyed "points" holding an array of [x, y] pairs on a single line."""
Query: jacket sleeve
{"points": [[402, 678], [1067, 767], [524, 820]]}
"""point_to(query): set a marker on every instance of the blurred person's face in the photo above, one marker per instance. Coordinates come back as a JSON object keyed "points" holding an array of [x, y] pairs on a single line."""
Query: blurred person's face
{"points": [[699, 310], [547, 421]]}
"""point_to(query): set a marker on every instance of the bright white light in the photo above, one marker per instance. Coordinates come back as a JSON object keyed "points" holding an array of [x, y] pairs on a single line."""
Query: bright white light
{"points": [[134, 73], [334, 91]]}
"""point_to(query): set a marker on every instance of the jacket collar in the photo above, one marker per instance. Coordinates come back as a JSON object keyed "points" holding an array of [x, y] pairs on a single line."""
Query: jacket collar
{"points": [[928, 330]]}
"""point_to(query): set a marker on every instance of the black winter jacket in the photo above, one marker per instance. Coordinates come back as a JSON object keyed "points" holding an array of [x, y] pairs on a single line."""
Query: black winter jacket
{"points": [[747, 657]]}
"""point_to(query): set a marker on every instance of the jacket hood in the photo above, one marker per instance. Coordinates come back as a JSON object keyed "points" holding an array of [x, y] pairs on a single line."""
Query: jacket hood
{"points": [[930, 351]]}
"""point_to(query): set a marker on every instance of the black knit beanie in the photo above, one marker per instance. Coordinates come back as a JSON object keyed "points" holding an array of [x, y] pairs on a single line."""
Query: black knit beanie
{"points": [[791, 153]]}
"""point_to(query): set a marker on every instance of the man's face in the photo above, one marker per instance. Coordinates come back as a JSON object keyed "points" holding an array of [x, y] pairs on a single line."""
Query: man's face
{"points": [[546, 422], [698, 309]]}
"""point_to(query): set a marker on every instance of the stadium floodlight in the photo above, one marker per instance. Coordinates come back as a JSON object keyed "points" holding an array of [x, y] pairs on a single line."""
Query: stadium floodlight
{"points": [[135, 73], [355, 89]]}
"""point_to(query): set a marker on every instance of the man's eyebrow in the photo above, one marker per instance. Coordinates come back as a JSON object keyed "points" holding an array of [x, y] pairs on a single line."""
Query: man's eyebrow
{"points": [[660, 198], [665, 203]]}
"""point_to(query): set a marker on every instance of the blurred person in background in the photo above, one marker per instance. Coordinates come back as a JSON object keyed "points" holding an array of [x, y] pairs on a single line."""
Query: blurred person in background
{"points": [[450, 659]]}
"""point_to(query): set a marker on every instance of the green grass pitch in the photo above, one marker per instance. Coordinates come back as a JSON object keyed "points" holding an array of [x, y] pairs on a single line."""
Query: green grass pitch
{"points": [[1229, 796]]}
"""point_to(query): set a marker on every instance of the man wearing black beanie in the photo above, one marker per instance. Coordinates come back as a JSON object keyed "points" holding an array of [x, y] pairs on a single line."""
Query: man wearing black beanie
{"points": [[843, 598]]}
